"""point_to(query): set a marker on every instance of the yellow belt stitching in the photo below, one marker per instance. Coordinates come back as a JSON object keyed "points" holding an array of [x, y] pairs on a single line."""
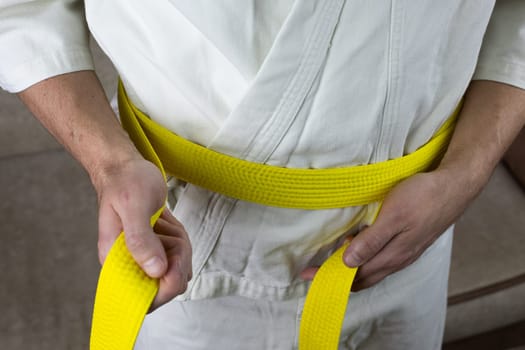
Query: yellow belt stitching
{"points": [[125, 292]]}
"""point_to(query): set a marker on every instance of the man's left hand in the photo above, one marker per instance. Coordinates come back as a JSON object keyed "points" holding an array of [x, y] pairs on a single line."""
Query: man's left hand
{"points": [[413, 215]]}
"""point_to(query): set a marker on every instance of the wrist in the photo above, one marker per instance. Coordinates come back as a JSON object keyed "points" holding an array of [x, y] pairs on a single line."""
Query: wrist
{"points": [[491, 116], [110, 162], [463, 180]]}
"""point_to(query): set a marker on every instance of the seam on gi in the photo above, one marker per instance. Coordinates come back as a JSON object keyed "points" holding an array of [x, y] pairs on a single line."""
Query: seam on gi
{"points": [[214, 219], [292, 99], [389, 115], [298, 314], [31, 71]]}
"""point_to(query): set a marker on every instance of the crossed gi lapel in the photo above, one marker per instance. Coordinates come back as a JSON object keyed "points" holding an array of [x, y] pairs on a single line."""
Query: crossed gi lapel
{"points": [[257, 125]]}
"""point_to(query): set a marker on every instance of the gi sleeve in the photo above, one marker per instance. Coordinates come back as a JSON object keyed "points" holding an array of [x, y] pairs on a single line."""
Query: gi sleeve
{"points": [[40, 39], [502, 56]]}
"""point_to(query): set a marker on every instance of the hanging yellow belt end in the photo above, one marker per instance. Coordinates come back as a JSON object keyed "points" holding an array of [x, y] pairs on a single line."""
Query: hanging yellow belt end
{"points": [[124, 295], [326, 300]]}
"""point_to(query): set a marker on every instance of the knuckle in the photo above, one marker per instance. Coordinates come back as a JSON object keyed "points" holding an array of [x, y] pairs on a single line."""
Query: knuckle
{"points": [[182, 287], [404, 258], [400, 216], [188, 248], [179, 226], [411, 256], [179, 285], [371, 244]]}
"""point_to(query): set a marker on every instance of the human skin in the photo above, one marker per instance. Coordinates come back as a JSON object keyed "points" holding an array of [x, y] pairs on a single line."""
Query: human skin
{"points": [[75, 110], [418, 210], [514, 158]]}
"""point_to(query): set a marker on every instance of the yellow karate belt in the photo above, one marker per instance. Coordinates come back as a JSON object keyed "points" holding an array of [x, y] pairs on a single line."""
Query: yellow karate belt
{"points": [[125, 292]]}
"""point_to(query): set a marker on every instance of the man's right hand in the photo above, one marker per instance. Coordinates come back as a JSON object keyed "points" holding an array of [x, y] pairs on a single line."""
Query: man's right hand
{"points": [[74, 108], [129, 194]]}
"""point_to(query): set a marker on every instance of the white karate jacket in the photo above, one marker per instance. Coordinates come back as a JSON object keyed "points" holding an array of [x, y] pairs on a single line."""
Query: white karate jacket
{"points": [[305, 84]]}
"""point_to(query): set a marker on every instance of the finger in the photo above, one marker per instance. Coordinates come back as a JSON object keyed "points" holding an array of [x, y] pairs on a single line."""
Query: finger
{"points": [[393, 257], [369, 281], [178, 228], [173, 283], [375, 270], [367, 243], [400, 252], [308, 274], [144, 246], [175, 241], [109, 227], [168, 216], [164, 227], [175, 280]]}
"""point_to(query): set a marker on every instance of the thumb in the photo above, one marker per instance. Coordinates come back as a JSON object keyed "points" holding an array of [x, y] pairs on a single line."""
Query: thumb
{"points": [[367, 243], [109, 226], [145, 247]]}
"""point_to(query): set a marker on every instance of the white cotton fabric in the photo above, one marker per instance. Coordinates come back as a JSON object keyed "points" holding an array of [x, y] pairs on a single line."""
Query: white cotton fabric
{"points": [[405, 311], [304, 84]]}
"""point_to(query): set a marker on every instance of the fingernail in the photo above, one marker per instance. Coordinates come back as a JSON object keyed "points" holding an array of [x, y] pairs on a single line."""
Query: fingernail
{"points": [[351, 261], [154, 267]]}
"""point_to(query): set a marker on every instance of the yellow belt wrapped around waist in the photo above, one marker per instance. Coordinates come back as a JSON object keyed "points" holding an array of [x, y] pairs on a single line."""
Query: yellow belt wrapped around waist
{"points": [[125, 292]]}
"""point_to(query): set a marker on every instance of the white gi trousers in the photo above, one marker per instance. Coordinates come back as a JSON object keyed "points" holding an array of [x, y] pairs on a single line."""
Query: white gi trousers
{"points": [[405, 311]]}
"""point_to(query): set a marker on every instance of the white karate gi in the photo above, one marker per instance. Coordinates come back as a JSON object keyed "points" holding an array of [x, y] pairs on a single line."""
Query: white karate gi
{"points": [[303, 84]]}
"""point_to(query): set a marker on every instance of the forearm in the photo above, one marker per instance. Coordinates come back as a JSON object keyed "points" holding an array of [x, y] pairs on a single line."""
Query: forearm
{"points": [[74, 108], [418, 210], [492, 116]]}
